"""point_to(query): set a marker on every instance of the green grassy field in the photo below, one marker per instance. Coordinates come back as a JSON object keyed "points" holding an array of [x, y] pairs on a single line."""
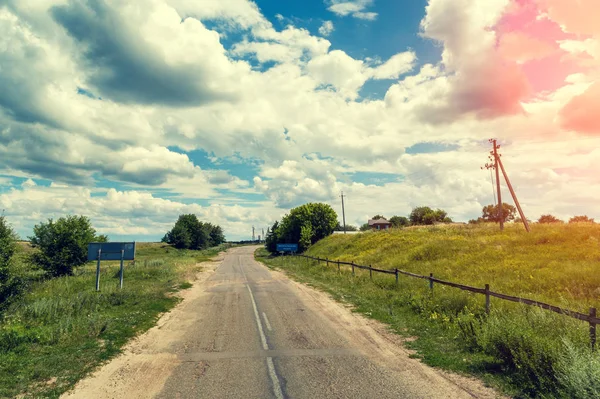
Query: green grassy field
{"points": [[61, 329], [527, 352]]}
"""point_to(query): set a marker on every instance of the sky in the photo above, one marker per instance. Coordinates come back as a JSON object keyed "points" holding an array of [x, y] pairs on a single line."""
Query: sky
{"points": [[236, 110]]}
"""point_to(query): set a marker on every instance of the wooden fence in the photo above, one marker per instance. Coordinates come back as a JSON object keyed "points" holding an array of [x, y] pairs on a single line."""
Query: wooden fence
{"points": [[589, 318]]}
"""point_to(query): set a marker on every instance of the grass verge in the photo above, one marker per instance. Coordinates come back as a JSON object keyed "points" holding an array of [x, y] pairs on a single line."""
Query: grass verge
{"points": [[61, 329], [525, 352]]}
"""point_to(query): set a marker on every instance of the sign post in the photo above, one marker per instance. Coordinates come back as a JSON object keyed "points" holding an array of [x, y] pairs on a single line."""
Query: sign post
{"points": [[110, 251], [98, 270]]}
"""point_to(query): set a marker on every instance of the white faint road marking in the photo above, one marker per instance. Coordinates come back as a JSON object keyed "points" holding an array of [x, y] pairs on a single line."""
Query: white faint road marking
{"points": [[258, 323], [276, 384], [267, 322]]}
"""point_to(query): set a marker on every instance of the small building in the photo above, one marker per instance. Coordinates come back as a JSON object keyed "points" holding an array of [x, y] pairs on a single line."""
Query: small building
{"points": [[379, 224]]}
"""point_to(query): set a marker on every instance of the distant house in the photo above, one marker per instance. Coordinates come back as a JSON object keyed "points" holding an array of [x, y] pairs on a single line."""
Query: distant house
{"points": [[379, 224]]}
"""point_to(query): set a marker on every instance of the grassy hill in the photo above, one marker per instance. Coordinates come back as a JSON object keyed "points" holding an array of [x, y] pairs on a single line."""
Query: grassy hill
{"points": [[526, 351], [556, 263]]}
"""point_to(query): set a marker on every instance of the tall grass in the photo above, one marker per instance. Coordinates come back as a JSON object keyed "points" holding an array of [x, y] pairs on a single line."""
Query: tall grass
{"points": [[529, 352], [62, 328]]}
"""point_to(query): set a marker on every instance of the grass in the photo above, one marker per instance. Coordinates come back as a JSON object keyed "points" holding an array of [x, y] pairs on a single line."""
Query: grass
{"points": [[61, 329], [526, 352]]}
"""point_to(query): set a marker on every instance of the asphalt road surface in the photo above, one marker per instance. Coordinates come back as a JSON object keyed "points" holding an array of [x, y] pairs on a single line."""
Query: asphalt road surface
{"points": [[244, 331]]}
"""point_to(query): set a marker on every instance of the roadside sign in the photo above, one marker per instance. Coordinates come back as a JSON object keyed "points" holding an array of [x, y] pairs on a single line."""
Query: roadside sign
{"points": [[100, 251], [287, 247], [111, 250]]}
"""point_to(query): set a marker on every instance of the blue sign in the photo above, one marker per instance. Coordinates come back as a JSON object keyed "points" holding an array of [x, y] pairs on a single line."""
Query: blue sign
{"points": [[111, 250], [287, 247]]}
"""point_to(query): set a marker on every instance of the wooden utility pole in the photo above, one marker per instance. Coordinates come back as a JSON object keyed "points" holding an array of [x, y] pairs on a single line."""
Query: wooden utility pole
{"points": [[343, 212], [500, 207], [512, 192]]}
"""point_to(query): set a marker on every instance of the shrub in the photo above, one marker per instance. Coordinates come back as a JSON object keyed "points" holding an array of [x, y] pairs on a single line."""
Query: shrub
{"points": [[9, 284], [63, 244]]}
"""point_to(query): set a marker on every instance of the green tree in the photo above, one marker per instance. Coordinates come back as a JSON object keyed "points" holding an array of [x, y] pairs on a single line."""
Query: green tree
{"points": [[318, 219], [490, 213], [349, 227], [306, 234], [62, 244], [272, 238], [581, 219], [549, 219], [191, 233], [10, 285], [377, 217], [216, 235], [424, 215], [365, 227], [399, 221]]}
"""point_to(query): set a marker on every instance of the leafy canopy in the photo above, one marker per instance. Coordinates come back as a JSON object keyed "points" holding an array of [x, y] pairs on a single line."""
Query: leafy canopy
{"points": [[9, 283], [490, 213], [191, 233], [424, 215], [63, 244]]}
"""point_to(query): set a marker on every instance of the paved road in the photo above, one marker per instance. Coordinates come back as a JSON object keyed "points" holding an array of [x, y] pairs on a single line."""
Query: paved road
{"points": [[252, 333]]}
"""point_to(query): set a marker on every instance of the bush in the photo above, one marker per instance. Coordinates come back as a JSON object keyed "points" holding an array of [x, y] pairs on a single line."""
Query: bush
{"points": [[9, 284], [549, 219], [424, 215], [63, 244]]}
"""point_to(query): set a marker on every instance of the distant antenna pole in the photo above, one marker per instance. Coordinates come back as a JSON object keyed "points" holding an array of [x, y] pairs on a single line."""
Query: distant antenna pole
{"points": [[343, 212], [263, 234], [253, 239], [512, 192]]}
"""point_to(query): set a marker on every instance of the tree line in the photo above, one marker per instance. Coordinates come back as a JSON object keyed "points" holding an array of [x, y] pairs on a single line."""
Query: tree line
{"points": [[508, 213], [419, 216]]}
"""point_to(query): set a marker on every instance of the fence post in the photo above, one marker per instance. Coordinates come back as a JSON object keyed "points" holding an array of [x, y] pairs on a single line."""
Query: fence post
{"points": [[352, 263], [338, 262], [327, 261], [431, 282], [396, 276], [370, 272], [121, 270], [593, 329], [487, 298]]}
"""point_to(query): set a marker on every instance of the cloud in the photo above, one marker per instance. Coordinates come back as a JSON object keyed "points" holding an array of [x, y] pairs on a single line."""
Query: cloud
{"points": [[354, 8], [151, 63], [521, 47], [397, 65], [581, 113], [326, 29], [480, 80]]}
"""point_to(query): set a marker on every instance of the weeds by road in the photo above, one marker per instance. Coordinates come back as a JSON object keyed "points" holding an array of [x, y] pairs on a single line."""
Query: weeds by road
{"points": [[527, 352], [61, 329]]}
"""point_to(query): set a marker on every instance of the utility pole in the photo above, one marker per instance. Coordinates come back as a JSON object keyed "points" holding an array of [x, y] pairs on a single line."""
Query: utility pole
{"points": [[494, 165], [500, 205], [253, 239], [343, 212], [263, 233], [512, 192], [497, 165]]}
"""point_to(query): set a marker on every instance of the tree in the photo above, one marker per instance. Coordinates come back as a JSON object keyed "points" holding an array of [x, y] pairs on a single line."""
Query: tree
{"points": [[10, 285], [581, 219], [319, 220], [349, 227], [365, 227], [490, 213], [62, 244], [191, 233], [399, 221], [377, 217], [272, 238], [549, 219], [424, 215]]}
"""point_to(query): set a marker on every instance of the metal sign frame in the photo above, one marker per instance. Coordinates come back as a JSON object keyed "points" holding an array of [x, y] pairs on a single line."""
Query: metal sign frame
{"points": [[110, 251]]}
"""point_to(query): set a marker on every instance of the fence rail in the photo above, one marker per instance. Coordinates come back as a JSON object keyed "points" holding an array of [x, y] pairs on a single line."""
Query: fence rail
{"points": [[590, 318]]}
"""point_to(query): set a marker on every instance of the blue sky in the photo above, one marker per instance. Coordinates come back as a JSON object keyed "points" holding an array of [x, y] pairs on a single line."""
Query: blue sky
{"points": [[239, 110]]}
